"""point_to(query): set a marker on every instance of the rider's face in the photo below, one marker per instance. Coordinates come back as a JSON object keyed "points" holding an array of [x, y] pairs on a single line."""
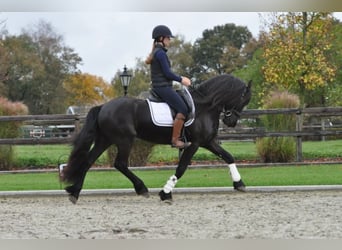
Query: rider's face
{"points": [[167, 41]]}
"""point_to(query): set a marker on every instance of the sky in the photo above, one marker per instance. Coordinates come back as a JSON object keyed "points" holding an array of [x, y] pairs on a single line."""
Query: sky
{"points": [[108, 40]]}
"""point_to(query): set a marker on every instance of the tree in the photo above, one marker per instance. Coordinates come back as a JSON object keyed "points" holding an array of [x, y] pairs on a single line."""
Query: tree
{"points": [[180, 55], [221, 50], [86, 89], [24, 66], [295, 53], [334, 93], [4, 67], [253, 71], [39, 62], [59, 61]]}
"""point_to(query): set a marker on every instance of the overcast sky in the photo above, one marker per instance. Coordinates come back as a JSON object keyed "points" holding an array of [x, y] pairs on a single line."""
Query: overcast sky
{"points": [[106, 41]]}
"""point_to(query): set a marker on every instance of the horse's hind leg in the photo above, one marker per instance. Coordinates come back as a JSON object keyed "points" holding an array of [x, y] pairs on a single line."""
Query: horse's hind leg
{"points": [[121, 164], [74, 190]]}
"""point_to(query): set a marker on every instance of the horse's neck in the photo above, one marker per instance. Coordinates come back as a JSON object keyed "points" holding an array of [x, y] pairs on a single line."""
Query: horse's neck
{"points": [[204, 110]]}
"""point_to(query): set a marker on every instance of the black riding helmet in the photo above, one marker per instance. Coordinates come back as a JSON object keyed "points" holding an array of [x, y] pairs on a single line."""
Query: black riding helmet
{"points": [[161, 30]]}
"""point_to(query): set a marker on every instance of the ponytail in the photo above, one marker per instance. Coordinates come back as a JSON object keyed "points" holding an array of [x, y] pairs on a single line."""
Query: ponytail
{"points": [[150, 56]]}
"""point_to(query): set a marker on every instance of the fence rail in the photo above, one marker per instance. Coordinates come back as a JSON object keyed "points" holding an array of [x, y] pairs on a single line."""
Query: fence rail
{"points": [[301, 131], [59, 122]]}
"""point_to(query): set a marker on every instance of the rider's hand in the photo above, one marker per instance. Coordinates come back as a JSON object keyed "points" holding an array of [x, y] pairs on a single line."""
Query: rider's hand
{"points": [[186, 81]]}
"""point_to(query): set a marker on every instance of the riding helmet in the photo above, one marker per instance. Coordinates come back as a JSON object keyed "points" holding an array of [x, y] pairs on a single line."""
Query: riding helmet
{"points": [[161, 30]]}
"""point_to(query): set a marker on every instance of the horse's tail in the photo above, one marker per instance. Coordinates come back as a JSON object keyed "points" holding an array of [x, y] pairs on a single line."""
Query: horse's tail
{"points": [[78, 160]]}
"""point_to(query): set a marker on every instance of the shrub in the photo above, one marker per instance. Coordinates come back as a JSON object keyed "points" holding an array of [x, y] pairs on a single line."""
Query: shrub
{"points": [[9, 129], [138, 156], [6, 157], [278, 149]]}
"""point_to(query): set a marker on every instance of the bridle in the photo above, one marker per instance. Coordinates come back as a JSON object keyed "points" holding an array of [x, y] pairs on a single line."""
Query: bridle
{"points": [[227, 113], [233, 111]]}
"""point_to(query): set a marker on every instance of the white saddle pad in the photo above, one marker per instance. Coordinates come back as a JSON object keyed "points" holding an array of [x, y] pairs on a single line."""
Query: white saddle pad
{"points": [[162, 116]]}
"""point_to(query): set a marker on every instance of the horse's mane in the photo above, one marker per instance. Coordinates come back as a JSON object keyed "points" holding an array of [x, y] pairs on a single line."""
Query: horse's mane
{"points": [[219, 90]]}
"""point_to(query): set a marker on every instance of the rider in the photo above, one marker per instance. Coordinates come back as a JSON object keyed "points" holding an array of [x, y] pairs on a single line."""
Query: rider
{"points": [[162, 77]]}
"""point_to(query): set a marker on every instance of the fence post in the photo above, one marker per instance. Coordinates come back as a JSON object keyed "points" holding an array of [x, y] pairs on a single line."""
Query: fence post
{"points": [[77, 124], [323, 128], [299, 156]]}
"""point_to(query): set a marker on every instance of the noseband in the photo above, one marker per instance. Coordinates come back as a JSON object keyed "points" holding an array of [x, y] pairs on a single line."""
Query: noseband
{"points": [[229, 113]]}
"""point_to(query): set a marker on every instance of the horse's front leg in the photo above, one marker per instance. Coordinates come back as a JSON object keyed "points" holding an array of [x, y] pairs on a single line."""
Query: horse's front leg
{"points": [[227, 157], [166, 193]]}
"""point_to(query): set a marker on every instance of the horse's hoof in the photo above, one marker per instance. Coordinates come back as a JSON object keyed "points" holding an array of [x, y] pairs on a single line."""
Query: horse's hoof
{"points": [[239, 186], [146, 195], [73, 199], [166, 197], [73, 194], [169, 202], [141, 189]]}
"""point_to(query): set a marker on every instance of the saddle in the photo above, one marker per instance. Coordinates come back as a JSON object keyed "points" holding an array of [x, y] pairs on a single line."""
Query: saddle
{"points": [[163, 115]]}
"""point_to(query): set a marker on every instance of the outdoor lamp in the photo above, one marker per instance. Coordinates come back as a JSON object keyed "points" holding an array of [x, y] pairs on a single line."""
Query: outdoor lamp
{"points": [[125, 78]]}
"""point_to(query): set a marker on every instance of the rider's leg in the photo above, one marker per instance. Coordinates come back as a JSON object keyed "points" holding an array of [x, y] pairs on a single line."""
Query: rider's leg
{"points": [[176, 132], [169, 95]]}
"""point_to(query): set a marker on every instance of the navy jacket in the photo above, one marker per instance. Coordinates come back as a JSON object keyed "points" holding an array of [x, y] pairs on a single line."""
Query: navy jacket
{"points": [[161, 73]]}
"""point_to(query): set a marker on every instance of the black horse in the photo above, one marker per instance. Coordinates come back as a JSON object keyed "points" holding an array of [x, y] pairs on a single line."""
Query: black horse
{"points": [[121, 120]]}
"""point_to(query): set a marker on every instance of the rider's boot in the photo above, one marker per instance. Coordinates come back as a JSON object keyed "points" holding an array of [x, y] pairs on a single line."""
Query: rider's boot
{"points": [[177, 128]]}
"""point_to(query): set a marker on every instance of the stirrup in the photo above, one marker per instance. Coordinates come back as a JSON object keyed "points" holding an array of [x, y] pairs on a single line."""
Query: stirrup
{"points": [[181, 146]]}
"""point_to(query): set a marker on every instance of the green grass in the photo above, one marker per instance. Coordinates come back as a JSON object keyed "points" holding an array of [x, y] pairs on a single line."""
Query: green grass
{"points": [[38, 156], [247, 151], [49, 155], [41, 156], [213, 177], [322, 149], [240, 151]]}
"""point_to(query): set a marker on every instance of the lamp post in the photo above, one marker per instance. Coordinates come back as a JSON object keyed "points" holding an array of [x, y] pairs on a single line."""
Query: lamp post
{"points": [[125, 78]]}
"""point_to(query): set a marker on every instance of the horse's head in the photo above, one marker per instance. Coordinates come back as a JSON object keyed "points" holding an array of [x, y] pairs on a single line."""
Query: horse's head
{"points": [[224, 93], [232, 115]]}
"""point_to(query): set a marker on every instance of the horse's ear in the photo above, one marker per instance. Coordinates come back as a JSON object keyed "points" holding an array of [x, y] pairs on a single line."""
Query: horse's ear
{"points": [[249, 84]]}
